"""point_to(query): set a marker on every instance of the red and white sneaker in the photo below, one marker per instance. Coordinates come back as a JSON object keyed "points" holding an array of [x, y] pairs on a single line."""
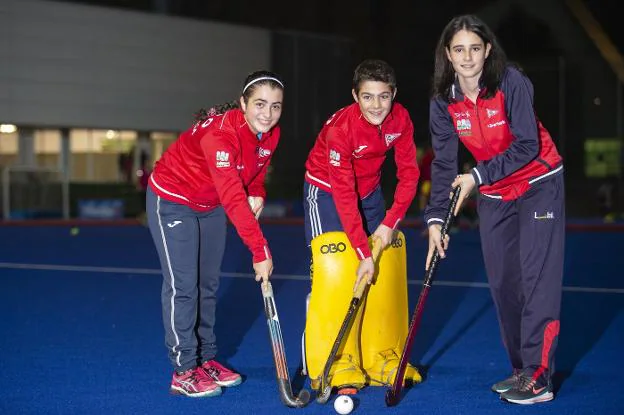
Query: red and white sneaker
{"points": [[221, 375], [194, 383]]}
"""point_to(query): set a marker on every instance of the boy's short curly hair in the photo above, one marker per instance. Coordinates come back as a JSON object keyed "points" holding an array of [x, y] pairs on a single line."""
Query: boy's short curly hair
{"points": [[373, 70]]}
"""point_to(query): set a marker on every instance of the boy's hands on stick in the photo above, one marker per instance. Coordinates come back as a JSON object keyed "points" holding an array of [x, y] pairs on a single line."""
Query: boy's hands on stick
{"points": [[366, 269]]}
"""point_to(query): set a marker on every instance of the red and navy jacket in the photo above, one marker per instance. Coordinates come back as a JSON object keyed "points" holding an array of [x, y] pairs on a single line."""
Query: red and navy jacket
{"points": [[346, 161], [512, 148], [219, 161]]}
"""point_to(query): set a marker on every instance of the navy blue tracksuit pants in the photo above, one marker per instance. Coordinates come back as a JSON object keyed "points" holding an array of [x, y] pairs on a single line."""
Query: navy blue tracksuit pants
{"points": [[523, 249], [190, 246], [321, 216]]}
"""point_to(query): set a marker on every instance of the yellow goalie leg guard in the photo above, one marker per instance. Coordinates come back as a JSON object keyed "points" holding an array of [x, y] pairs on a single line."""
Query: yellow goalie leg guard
{"points": [[335, 264], [385, 321]]}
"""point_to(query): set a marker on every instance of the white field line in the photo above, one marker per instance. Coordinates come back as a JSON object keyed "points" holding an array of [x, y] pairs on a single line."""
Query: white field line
{"points": [[112, 270]]}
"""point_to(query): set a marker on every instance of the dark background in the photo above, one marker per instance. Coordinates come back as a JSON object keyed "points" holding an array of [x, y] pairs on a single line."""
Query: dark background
{"points": [[324, 40], [374, 24]]}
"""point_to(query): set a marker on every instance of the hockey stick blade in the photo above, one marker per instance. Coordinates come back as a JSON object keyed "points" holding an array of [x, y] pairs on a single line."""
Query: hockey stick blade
{"points": [[393, 394], [324, 391], [279, 353], [286, 395]]}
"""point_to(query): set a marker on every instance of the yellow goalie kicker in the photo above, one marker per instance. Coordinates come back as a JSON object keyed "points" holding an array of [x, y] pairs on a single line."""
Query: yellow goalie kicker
{"points": [[369, 354]]}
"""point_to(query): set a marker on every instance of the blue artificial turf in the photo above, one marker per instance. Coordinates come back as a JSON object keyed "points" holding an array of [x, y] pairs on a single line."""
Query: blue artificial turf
{"points": [[81, 329]]}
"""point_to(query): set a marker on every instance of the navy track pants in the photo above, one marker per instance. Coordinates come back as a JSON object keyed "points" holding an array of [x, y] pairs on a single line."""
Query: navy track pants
{"points": [[523, 250], [190, 246]]}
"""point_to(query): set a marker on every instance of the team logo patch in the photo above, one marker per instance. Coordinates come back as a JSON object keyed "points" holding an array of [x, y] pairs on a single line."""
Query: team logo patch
{"points": [[223, 159], [496, 124], [263, 152], [463, 124], [491, 113], [334, 158], [357, 151], [391, 137], [463, 127], [547, 215]]}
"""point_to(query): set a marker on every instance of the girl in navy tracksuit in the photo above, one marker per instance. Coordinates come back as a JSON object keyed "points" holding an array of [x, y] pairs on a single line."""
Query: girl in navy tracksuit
{"points": [[487, 104], [214, 169]]}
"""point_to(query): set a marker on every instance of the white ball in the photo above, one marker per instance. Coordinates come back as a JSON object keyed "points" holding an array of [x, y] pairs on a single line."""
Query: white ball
{"points": [[343, 404]]}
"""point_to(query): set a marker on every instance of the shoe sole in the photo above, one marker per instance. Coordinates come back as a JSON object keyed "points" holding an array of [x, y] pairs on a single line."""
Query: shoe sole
{"points": [[229, 383], [499, 391], [537, 399], [208, 394]]}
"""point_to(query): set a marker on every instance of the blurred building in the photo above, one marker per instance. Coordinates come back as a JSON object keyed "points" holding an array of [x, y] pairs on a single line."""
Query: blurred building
{"points": [[89, 95], [88, 88]]}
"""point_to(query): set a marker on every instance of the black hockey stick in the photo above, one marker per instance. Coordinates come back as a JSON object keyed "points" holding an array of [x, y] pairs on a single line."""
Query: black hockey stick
{"points": [[279, 353], [324, 390], [394, 393]]}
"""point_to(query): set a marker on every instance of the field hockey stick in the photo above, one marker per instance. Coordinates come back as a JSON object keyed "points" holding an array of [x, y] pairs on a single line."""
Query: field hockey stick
{"points": [[279, 353], [324, 390], [394, 393]]}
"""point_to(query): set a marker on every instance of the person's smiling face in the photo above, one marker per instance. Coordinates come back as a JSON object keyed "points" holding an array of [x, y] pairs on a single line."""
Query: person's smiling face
{"points": [[467, 54], [263, 109], [375, 100]]}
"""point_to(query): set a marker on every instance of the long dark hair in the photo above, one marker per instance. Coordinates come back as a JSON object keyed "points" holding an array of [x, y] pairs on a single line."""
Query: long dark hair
{"points": [[253, 81], [495, 63]]}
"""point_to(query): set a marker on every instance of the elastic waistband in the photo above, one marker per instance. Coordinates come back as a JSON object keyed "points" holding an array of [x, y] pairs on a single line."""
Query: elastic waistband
{"points": [[555, 172], [558, 170]]}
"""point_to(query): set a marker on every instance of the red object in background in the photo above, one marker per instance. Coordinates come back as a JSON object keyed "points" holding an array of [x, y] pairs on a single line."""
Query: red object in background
{"points": [[143, 175], [425, 164]]}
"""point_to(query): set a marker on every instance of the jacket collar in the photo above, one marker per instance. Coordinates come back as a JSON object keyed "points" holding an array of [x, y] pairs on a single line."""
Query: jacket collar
{"points": [[456, 93], [244, 129]]}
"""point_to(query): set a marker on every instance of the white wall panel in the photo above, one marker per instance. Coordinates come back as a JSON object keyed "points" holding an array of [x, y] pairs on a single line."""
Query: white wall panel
{"points": [[80, 66]]}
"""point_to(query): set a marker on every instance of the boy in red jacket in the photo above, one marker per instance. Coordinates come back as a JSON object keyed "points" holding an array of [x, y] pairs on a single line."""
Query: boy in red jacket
{"points": [[342, 193]]}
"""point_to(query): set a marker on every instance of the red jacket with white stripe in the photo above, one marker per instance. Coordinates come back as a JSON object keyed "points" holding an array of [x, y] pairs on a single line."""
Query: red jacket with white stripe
{"points": [[219, 162], [511, 146], [346, 161]]}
